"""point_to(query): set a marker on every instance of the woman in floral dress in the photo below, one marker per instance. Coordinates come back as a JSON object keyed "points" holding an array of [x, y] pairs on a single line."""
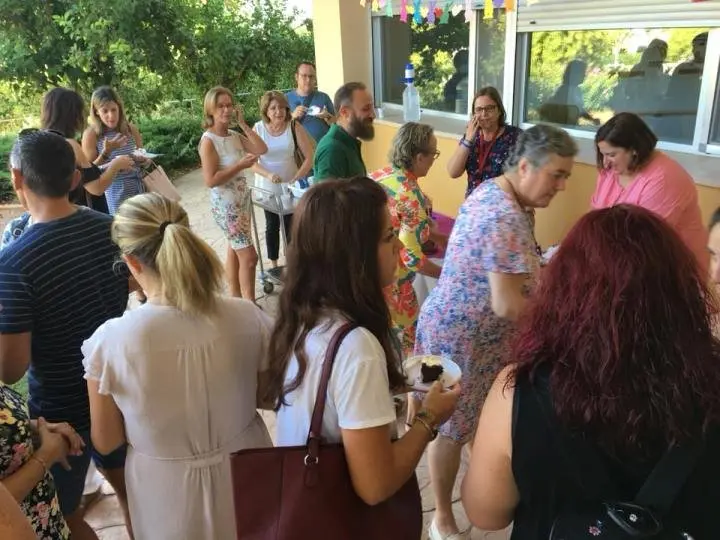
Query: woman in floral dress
{"points": [[414, 150], [225, 156], [491, 258], [24, 465]]}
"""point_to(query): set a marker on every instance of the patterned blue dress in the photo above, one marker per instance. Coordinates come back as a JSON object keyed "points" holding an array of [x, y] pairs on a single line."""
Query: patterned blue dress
{"points": [[492, 167], [491, 234]]}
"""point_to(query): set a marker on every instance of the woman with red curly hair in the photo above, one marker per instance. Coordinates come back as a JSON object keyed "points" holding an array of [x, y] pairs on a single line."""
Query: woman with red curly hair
{"points": [[614, 364]]}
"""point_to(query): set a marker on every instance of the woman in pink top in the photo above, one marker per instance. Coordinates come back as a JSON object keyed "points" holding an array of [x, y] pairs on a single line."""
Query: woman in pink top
{"points": [[632, 171]]}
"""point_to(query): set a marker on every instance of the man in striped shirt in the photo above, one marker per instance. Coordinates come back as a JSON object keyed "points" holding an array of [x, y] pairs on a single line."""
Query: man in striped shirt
{"points": [[58, 283]]}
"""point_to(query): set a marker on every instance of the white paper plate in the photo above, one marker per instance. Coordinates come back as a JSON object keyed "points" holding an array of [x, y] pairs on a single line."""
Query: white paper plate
{"points": [[141, 152], [449, 377], [314, 110]]}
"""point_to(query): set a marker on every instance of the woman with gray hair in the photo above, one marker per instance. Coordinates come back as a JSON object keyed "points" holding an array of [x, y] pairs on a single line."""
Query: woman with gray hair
{"points": [[413, 152], [488, 269]]}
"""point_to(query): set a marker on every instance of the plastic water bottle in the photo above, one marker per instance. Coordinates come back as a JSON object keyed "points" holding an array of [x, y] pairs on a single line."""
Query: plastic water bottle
{"points": [[411, 96]]}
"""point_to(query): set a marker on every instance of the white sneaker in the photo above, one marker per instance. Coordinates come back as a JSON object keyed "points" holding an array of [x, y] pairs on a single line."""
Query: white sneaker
{"points": [[435, 534]]}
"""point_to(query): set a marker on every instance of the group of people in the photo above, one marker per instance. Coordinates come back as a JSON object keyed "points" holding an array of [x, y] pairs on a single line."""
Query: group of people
{"points": [[609, 340]]}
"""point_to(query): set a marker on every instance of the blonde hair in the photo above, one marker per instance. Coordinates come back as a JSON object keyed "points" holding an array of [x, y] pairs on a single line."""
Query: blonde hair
{"points": [[102, 96], [210, 103], [267, 99], [156, 231]]}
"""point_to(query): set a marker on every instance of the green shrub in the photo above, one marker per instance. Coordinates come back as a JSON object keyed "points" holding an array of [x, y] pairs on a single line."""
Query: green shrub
{"points": [[6, 190]]}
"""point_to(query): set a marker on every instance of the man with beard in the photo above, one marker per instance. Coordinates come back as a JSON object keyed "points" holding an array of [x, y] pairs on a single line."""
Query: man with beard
{"points": [[338, 153]]}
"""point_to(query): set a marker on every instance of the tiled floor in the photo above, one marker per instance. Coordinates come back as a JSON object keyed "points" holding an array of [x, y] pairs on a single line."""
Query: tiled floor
{"points": [[105, 516]]}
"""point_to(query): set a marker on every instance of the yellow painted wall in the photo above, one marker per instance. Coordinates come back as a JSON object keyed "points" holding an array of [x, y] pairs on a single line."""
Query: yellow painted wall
{"points": [[552, 223]]}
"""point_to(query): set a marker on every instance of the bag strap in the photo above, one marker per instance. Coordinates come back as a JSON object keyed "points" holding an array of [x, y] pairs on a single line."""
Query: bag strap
{"points": [[294, 136], [660, 489], [668, 477], [315, 434]]}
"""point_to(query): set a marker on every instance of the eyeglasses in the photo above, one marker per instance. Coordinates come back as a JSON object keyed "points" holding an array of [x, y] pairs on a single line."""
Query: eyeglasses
{"points": [[435, 154], [488, 110]]}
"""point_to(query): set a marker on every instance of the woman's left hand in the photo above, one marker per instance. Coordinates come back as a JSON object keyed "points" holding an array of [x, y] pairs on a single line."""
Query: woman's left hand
{"points": [[70, 435], [239, 115]]}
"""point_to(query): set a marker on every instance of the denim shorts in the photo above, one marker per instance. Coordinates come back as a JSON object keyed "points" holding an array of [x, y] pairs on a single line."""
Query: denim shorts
{"points": [[71, 484]]}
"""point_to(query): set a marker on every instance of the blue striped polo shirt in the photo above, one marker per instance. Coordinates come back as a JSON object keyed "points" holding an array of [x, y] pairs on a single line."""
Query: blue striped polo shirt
{"points": [[59, 281]]}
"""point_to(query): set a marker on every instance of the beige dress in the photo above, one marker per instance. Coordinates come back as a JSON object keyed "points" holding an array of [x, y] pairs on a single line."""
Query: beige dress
{"points": [[186, 387]]}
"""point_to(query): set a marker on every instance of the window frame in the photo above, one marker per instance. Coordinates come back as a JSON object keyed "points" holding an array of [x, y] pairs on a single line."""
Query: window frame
{"points": [[379, 76]]}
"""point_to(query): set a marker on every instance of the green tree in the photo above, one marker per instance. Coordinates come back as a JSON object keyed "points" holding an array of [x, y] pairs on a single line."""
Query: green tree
{"points": [[150, 50]]}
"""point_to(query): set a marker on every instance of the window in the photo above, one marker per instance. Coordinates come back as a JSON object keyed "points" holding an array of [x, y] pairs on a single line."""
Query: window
{"points": [[439, 53], [580, 78]]}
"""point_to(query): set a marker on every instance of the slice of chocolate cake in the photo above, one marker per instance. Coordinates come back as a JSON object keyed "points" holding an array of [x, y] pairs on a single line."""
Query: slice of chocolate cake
{"points": [[430, 369]]}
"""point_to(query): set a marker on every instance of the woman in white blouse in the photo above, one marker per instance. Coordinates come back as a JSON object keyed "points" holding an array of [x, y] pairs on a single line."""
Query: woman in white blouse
{"points": [[277, 167], [348, 252], [176, 379]]}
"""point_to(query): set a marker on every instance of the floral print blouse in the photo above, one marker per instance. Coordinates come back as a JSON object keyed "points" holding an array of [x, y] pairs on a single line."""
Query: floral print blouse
{"points": [[497, 154], [16, 446]]}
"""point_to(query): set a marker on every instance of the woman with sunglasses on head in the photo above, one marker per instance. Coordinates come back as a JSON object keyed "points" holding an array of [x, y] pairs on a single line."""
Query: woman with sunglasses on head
{"points": [[487, 142], [110, 136], [63, 111]]}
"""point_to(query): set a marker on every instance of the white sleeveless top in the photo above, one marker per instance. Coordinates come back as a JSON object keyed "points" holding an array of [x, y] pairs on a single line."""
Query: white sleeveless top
{"points": [[278, 159], [229, 150]]}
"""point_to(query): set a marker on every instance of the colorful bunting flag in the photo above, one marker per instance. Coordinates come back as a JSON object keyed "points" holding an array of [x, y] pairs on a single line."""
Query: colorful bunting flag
{"points": [[417, 15], [430, 10]]}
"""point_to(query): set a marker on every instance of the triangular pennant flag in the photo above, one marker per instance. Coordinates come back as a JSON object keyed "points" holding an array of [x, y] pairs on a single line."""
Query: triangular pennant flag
{"points": [[469, 10], [388, 8], [498, 4], [489, 10], [431, 12], [445, 16], [363, 3], [456, 9], [403, 11], [417, 16], [509, 5], [375, 5]]}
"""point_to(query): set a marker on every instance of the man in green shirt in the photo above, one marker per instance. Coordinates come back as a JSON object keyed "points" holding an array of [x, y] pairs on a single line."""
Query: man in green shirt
{"points": [[338, 152]]}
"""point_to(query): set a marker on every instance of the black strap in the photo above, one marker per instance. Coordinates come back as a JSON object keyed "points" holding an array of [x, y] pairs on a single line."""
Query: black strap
{"points": [[660, 489], [668, 477], [315, 434], [294, 136]]}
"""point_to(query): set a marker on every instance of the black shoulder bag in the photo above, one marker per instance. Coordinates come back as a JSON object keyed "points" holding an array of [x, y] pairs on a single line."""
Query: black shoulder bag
{"points": [[600, 519]]}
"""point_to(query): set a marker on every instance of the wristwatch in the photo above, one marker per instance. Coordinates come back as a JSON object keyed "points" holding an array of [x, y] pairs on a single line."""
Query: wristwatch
{"points": [[427, 420]]}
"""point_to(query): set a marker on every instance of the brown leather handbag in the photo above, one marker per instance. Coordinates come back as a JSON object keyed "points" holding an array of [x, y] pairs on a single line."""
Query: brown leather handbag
{"points": [[305, 492]]}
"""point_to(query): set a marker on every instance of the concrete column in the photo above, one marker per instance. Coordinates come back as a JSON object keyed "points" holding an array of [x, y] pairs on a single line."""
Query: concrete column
{"points": [[343, 43]]}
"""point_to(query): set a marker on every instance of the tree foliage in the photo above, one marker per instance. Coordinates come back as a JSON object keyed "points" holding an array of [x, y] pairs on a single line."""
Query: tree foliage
{"points": [[150, 50]]}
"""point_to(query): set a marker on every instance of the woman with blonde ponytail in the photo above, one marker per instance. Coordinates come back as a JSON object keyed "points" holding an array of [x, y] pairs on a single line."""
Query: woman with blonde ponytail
{"points": [[176, 379]]}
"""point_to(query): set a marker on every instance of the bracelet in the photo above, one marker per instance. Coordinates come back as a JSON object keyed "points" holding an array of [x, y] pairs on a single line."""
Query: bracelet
{"points": [[431, 431], [42, 463], [465, 143]]}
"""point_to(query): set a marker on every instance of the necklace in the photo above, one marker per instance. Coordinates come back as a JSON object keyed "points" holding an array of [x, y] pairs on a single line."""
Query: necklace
{"points": [[530, 220]]}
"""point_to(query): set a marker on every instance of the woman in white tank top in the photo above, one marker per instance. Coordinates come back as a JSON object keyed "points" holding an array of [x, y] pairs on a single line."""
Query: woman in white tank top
{"points": [[277, 167], [225, 155]]}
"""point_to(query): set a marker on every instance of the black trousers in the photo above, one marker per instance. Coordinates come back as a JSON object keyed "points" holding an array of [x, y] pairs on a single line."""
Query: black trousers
{"points": [[272, 233]]}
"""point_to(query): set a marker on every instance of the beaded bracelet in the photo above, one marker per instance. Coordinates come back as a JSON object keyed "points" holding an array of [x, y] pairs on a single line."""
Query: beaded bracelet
{"points": [[42, 463], [465, 143]]}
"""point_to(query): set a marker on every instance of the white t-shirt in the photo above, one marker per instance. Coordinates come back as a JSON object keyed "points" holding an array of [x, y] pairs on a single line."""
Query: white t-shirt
{"points": [[358, 391]]}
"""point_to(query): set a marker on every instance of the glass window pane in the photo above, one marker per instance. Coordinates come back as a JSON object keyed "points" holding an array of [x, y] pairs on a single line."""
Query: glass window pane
{"points": [[439, 53], [490, 51], [581, 78]]}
